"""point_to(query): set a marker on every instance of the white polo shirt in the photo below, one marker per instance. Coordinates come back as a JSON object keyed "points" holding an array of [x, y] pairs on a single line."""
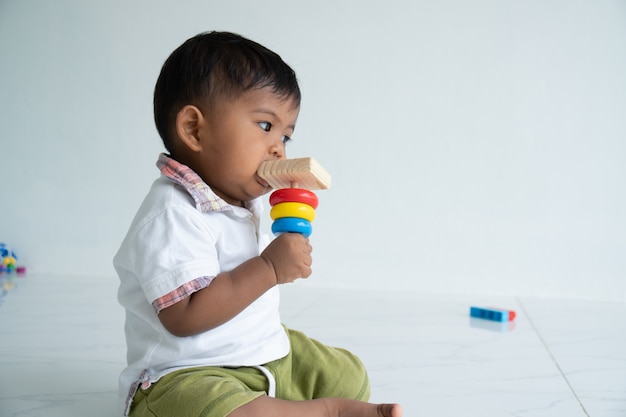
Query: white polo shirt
{"points": [[182, 233]]}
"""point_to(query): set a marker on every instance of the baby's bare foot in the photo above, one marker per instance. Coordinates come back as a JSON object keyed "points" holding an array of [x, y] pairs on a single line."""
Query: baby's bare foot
{"points": [[352, 408], [389, 410]]}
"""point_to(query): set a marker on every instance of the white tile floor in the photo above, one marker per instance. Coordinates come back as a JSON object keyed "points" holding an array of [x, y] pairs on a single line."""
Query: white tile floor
{"points": [[62, 347]]}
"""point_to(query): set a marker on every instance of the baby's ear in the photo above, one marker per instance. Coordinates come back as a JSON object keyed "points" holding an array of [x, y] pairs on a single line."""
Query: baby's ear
{"points": [[188, 121]]}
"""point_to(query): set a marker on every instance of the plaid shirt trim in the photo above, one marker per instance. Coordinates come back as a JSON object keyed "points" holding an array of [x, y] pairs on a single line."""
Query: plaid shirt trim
{"points": [[181, 293], [205, 198], [206, 201]]}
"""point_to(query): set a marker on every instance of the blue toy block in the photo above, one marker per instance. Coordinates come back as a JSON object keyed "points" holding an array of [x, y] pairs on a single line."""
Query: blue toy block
{"points": [[492, 314]]}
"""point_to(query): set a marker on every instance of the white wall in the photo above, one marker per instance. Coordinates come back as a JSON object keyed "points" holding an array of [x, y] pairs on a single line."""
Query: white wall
{"points": [[475, 146]]}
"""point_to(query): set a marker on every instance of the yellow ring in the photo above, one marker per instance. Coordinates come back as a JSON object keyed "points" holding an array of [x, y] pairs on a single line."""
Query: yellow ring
{"points": [[291, 209]]}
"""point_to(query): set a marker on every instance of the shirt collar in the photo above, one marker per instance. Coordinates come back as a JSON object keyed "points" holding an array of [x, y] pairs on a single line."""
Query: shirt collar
{"points": [[206, 200]]}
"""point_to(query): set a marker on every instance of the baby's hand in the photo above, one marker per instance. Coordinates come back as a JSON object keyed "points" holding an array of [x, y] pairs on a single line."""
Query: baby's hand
{"points": [[290, 256]]}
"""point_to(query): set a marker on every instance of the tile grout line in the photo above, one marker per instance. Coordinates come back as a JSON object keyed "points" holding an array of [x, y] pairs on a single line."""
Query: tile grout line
{"points": [[556, 363]]}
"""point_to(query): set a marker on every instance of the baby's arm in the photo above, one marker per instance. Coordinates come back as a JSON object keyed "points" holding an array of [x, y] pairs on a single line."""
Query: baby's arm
{"points": [[287, 258]]}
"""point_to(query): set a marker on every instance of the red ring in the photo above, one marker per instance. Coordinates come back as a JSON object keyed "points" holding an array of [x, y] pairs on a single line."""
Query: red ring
{"points": [[294, 195]]}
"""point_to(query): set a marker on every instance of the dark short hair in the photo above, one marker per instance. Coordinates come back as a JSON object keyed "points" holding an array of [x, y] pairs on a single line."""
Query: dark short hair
{"points": [[212, 66]]}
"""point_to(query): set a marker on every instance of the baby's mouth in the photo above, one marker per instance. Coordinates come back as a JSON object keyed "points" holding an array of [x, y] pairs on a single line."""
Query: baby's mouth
{"points": [[262, 182]]}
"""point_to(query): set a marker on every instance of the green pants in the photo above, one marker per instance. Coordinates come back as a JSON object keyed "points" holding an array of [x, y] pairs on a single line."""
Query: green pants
{"points": [[310, 370]]}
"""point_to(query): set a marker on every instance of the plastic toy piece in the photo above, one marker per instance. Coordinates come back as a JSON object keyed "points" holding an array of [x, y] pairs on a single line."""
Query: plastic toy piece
{"points": [[299, 172], [292, 225], [292, 216], [8, 260], [296, 195], [292, 209], [493, 314]]}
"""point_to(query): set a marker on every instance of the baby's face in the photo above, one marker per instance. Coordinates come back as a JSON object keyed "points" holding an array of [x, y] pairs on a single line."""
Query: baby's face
{"points": [[237, 136]]}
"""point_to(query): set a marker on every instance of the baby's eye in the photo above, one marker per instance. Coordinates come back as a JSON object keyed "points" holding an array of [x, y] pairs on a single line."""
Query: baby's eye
{"points": [[286, 139], [267, 126]]}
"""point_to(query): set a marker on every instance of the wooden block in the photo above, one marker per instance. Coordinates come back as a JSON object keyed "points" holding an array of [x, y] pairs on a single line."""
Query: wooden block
{"points": [[298, 173]]}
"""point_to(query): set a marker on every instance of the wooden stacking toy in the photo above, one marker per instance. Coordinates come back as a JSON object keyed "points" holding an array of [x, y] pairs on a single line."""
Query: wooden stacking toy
{"points": [[293, 203]]}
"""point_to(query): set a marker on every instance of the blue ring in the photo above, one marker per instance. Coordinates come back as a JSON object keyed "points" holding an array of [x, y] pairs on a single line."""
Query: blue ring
{"points": [[292, 225]]}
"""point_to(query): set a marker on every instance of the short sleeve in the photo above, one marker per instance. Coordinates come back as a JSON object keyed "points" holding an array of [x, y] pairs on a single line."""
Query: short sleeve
{"points": [[169, 249]]}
